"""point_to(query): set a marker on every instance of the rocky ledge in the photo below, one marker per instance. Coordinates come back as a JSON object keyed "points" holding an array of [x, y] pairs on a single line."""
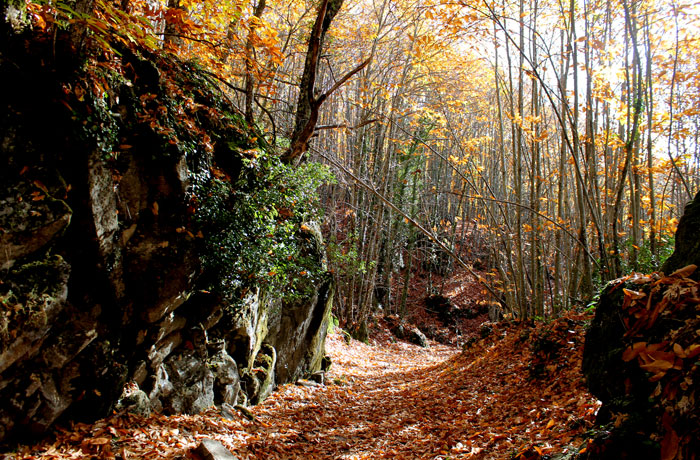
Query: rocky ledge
{"points": [[105, 289]]}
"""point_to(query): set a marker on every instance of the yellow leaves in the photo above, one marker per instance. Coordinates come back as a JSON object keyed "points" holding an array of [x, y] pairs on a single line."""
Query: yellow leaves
{"points": [[596, 44]]}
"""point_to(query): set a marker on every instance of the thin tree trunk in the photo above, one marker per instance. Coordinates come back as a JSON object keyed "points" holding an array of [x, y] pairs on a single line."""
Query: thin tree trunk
{"points": [[250, 64]]}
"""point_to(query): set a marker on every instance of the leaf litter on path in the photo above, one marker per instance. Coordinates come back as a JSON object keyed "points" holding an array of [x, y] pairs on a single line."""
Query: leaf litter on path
{"points": [[496, 400]]}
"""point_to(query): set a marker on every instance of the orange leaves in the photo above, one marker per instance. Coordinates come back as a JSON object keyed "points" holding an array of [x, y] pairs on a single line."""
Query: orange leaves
{"points": [[642, 309], [381, 401], [663, 317], [661, 296], [684, 272], [633, 351], [658, 363], [653, 358], [671, 441], [659, 358], [37, 196], [97, 441], [691, 352]]}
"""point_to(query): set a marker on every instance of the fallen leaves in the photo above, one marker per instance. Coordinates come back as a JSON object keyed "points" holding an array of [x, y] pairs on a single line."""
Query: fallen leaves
{"points": [[657, 296], [662, 317], [397, 401]]}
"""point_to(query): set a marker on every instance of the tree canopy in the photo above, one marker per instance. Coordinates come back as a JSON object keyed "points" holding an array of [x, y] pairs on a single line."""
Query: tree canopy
{"points": [[558, 138]]}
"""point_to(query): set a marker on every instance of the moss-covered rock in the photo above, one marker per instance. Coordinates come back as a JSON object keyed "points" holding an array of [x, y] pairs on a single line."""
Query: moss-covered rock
{"points": [[30, 218], [121, 260], [31, 297]]}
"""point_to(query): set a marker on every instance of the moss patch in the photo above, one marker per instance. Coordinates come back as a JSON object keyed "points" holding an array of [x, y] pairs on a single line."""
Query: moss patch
{"points": [[28, 295]]}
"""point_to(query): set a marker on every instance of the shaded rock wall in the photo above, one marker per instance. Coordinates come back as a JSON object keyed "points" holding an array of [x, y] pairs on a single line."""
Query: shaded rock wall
{"points": [[101, 274], [687, 250]]}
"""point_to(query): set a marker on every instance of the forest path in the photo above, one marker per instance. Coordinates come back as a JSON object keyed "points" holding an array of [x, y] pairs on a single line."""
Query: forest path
{"points": [[384, 401], [400, 401]]}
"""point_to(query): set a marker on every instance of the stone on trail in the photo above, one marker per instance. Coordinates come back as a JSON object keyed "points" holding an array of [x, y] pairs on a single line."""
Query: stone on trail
{"points": [[209, 449], [416, 337], [318, 377]]}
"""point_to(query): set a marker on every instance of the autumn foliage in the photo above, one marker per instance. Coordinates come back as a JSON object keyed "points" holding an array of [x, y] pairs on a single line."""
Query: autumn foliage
{"points": [[563, 134]]}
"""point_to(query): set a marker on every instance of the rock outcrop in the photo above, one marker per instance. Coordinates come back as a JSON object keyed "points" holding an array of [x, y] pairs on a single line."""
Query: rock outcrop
{"points": [[103, 277], [640, 357]]}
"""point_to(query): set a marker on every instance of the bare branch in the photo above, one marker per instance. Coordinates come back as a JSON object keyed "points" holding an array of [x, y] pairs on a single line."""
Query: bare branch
{"points": [[343, 80], [345, 126]]}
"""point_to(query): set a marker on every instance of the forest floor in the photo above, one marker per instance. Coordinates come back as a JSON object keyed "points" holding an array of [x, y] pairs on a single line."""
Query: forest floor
{"points": [[514, 392]]}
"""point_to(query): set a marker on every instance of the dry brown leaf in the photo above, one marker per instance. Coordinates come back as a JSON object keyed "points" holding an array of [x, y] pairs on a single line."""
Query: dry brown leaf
{"points": [[684, 272]]}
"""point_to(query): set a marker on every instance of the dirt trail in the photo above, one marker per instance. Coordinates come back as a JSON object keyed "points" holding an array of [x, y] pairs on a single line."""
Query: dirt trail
{"points": [[383, 401]]}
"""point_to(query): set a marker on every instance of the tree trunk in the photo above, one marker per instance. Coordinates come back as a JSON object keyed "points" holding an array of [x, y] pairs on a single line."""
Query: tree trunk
{"points": [[79, 28], [172, 34], [249, 65], [308, 103]]}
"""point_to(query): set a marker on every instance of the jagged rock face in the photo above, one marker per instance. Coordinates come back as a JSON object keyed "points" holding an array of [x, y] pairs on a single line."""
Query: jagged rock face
{"points": [[300, 325], [100, 280]]}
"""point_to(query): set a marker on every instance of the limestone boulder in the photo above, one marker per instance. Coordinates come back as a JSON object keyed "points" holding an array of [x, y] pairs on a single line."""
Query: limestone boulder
{"points": [[209, 449], [226, 379]]}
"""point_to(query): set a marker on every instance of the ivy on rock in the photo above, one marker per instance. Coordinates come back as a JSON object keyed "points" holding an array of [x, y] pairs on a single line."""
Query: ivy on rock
{"points": [[251, 225]]}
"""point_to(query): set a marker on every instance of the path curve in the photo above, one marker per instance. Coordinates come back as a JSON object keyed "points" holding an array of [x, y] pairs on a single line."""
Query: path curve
{"points": [[382, 401]]}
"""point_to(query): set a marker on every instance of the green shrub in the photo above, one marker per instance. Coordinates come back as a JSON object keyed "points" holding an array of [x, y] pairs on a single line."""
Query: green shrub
{"points": [[646, 261], [251, 226]]}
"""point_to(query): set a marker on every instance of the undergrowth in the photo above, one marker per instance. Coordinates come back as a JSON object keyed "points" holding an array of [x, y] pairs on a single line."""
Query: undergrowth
{"points": [[255, 227]]}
